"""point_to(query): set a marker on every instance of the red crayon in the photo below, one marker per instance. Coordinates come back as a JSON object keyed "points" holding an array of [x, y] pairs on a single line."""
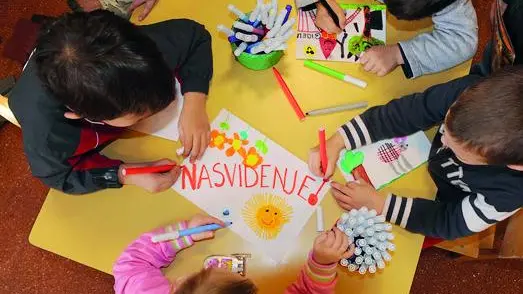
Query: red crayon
{"points": [[147, 169], [288, 94], [323, 150]]}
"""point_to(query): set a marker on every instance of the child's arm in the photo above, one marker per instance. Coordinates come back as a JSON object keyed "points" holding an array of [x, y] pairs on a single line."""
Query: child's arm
{"points": [[404, 116], [453, 40], [451, 220], [186, 47], [318, 275], [315, 278], [138, 269]]}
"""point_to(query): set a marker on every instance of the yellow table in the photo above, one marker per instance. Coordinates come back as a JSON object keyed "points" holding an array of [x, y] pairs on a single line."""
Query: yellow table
{"points": [[94, 229]]}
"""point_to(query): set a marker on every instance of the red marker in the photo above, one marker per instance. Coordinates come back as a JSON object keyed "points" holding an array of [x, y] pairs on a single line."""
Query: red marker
{"points": [[147, 169], [323, 150], [288, 94]]}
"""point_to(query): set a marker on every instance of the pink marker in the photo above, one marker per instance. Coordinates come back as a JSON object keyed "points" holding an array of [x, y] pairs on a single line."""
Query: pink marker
{"points": [[248, 28]]}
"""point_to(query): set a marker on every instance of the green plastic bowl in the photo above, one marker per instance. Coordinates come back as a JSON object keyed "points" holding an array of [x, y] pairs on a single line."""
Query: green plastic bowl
{"points": [[258, 61]]}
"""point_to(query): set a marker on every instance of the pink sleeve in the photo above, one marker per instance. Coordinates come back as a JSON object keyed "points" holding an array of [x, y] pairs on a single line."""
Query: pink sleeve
{"points": [[138, 269], [314, 278]]}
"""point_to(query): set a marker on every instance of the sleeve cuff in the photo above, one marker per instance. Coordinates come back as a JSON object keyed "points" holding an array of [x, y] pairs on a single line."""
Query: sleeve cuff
{"points": [[397, 210], [199, 85], [180, 243], [355, 134], [406, 65], [324, 274], [409, 57]]}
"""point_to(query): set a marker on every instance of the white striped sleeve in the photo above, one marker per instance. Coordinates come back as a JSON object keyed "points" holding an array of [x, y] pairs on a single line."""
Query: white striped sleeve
{"points": [[479, 214], [355, 133], [397, 210]]}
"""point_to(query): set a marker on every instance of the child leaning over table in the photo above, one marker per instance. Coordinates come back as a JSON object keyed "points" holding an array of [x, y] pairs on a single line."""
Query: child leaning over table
{"points": [[453, 40], [93, 74], [476, 158], [138, 269]]}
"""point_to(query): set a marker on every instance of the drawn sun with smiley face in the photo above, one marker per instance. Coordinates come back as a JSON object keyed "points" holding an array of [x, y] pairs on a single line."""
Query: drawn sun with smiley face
{"points": [[266, 214]]}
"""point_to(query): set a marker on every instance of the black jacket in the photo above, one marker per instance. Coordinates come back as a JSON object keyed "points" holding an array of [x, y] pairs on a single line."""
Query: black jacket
{"points": [[64, 153]]}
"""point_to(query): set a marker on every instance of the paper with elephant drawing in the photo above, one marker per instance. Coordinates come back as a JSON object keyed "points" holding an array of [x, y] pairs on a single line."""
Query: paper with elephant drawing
{"points": [[387, 160], [244, 177]]}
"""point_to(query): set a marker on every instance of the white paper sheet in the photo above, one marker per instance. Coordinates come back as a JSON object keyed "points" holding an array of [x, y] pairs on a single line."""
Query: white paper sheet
{"points": [[387, 160], [164, 124], [258, 198], [311, 43]]}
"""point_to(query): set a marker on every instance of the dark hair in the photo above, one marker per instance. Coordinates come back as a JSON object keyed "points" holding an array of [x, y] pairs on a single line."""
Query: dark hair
{"points": [[416, 9], [102, 67], [201, 283], [488, 117]]}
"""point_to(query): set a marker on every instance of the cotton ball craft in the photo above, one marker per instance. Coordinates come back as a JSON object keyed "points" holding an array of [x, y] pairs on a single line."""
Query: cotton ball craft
{"points": [[262, 31], [372, 238]]}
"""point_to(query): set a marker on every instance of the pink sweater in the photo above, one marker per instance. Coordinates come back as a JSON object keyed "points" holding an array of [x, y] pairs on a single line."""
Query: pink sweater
{"points": [[138, 269]]}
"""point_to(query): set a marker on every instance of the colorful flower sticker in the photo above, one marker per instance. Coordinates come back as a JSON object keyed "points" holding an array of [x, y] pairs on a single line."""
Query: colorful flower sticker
{"points": [[225, 126], [236, 145], [252, 158], [217, 139], [244, 135]]}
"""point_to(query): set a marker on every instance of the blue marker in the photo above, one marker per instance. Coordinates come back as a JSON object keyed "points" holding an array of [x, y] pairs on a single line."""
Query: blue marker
{"points": [[233, 39], [288, 8], [251, 46], [187, 232]]}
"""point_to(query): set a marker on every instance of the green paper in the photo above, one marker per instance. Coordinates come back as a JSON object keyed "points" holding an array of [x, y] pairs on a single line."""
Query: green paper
{"points": [[351, 160], [262, 146], [373, 7], [224, 126], [358, 44], [244, 135], [324, 70]]}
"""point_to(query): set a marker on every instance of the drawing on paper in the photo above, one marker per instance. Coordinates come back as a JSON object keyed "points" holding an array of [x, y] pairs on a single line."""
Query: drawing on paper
{"points": [[364, 28], [266, 214]]}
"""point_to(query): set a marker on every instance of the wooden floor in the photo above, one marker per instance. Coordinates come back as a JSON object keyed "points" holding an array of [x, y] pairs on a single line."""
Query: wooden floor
{"points": [[26, 269]]}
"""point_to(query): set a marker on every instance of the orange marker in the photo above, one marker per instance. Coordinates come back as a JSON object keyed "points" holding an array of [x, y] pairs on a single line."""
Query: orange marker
{"points": [[323, 150], [288, 94], [147, 169]]}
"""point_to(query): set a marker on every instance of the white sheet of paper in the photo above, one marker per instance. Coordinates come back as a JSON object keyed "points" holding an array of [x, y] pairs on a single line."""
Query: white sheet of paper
{"points": [[164, 124], [311, 44], [220, 182], [387, 160]]}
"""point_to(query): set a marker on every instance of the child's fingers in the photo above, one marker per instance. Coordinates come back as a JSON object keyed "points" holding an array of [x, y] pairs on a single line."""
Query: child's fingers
{"points": [[314, 163], [146, 9], [329, 240], [364, 58], [343, 200], [203, 144], [187, 145], [321, 238], [330, 170], [195, 148], [349, 252], [135, 4], [339, 236]]}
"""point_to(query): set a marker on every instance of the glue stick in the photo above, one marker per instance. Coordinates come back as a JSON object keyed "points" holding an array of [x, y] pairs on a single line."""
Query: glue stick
{"points": [[240, 49]]}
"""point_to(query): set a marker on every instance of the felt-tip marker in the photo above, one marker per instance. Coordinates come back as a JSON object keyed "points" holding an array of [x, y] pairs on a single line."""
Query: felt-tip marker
{"points": [[187, 232]]}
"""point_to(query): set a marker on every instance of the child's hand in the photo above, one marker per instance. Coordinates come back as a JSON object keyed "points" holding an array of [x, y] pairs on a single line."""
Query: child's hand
{"points": [[154, 182], [357, 194], [381, 60], [194, 125], [324, 20], [334, 145], [332, 246], [201, 220]]}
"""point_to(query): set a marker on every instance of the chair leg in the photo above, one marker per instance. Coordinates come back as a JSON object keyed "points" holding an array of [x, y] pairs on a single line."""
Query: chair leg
{"points": [[512, 246]]}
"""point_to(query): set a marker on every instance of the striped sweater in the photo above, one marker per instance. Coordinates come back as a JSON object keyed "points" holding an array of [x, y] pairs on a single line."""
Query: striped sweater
{"points": [[470, 198]]}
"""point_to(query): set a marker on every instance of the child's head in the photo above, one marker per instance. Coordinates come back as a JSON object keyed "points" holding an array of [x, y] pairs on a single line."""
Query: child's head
{"points": [[216, 281], [416, 9], [485, 125], [103, 68]]}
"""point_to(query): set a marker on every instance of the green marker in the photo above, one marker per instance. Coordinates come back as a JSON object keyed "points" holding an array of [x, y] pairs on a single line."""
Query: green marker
{"points": [[335, 74]]}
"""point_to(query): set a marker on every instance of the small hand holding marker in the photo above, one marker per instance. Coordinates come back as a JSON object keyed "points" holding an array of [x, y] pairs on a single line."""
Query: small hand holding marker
{"points": [[154, 176], [194, 126], [333, 147], [357, 194], [330, 17], [200, 227], [332, 246]]}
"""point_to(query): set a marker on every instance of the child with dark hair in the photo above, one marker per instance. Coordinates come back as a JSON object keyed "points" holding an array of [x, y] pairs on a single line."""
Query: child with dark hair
{"points": [[91, 75], [138, 269], [476, 159], [453, 40]]}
